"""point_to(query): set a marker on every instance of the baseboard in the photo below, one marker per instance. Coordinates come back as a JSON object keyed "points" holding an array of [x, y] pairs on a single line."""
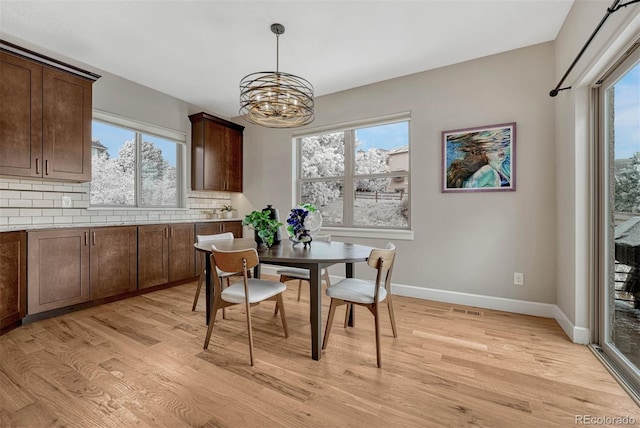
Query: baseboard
{"points": [[579, 335]]}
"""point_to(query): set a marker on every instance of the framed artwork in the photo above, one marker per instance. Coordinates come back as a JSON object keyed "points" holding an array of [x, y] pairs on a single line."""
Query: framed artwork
{"points": [[479, 159]]}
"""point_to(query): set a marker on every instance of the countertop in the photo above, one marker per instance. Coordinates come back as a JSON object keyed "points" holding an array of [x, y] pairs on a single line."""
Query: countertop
{"points": [[28, 228]]}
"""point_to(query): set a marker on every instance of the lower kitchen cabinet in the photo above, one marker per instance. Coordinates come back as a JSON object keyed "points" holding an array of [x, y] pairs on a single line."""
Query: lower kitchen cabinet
{"points": [[215, 228], [114, 261], [13, 278], [165, 254], [58, 269]]}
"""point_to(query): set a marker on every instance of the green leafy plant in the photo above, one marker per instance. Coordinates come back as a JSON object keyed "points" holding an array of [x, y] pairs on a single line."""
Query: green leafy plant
{"points": [[227, 208], [265, 226]]}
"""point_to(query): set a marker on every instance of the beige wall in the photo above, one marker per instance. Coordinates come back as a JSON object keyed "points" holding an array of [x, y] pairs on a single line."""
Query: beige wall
{"points": [[464, 243], [574, 199]]}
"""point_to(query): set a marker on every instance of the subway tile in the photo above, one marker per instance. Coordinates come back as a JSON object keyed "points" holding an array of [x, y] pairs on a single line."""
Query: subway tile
{"points": [[52, 196], [9, 212], [10, 180], [31, 195], [114, 219], [42, 220], [4, 185], [10, 194], [44, 203], [52, 212], [30, 212], [4, 221], [20, 203], [98, 219], [59, 188], [43, 187], [19, 186], [62, 219], [19, 220]]}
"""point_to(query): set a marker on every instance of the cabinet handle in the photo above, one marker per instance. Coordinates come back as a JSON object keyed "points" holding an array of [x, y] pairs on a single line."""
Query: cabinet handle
{"points": [[86, 238], [37, 166], [93, 237], [46, 166], [166, 232]]}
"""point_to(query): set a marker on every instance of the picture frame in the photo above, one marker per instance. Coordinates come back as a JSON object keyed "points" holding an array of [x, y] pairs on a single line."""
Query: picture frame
{"points": [[480, 159]]}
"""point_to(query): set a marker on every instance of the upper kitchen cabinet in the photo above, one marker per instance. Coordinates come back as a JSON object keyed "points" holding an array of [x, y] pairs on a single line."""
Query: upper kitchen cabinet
{"points": [[216, 153], [45, 116]]}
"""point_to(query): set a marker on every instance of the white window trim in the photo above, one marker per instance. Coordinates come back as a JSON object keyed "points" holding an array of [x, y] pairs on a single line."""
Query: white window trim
{"points": [[179, 137], [346, 231]]}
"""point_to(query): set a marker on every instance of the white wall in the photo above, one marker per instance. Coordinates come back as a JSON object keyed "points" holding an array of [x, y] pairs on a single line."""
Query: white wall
{"points": [[573, 150], [464, 243]]}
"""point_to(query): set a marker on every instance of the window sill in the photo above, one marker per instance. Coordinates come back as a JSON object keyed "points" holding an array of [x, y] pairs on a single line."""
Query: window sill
{"points": [[400, 235]]}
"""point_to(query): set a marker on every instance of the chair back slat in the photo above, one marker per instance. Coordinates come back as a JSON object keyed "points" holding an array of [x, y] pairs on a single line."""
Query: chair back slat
{"points": [[216, 237], [231, 261], [382, 260]]}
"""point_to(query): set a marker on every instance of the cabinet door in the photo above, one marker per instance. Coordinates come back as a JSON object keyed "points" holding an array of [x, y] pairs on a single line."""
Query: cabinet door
{"points": [[58, 269], [153, 255], [66, 141], [13, 277], [215, 164], [20, 117], [234, 227], [233, 155], [114, 261], [181, 254]]}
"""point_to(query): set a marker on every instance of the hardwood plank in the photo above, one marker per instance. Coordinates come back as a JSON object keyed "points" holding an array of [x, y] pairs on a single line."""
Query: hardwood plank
{"points": [[140, 362]]}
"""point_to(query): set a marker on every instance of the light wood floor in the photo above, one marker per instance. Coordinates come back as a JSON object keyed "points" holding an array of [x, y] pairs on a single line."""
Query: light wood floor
{"points": [[140, 362]]}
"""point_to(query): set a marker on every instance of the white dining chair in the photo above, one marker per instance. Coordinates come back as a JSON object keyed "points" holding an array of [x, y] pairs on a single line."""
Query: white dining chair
{"points": [[249, 292], [220, 274], [353, 291], [301, 274]]}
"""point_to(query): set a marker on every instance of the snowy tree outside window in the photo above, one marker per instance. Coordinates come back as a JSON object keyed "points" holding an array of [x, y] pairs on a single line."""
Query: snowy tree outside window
{"points": [[132, 168], [357, 177]]}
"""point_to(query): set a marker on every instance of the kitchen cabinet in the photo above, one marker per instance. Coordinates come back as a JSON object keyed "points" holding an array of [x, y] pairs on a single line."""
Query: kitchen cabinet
{"points": [[214, 228], [58, 269], [13, 278], [45, 117], [113, 260], [216, 153], [165, 254]]}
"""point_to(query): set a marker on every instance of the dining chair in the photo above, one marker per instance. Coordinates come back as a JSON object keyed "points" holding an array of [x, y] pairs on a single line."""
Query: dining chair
{"points": [[353, 291], [221, 274], [301, 274], [249, 292]]}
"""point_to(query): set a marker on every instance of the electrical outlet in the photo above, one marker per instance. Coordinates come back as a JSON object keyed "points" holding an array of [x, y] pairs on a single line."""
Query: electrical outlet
{"points": [[66, 201], [518, 278]]}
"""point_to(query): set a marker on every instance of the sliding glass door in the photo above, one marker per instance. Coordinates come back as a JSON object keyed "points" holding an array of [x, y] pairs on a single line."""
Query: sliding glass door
{"points": [[618, 166]]}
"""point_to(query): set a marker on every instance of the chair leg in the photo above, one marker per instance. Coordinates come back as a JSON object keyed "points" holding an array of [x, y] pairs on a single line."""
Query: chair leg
{"points": [[377, 323], [212, 320], [224, 312], [280, 304], [275, 310], [195, 299], [299, 288], [327, 330], [250, 331], [391, 316], [350, 308]]}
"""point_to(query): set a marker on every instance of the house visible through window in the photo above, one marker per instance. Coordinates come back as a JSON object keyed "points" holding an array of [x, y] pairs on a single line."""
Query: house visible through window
{"points": [[133, 168], [357, 177]]}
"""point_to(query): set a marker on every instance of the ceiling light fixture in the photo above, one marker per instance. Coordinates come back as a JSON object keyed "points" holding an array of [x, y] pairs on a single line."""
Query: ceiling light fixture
{"points": [[276, 99]]}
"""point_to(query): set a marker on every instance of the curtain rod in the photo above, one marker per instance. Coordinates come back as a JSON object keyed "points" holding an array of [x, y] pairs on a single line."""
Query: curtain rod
{"points": [[615, 6]]}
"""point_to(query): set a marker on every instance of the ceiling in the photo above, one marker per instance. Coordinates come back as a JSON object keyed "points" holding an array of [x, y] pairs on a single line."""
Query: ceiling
{"points": [[198, 51]]}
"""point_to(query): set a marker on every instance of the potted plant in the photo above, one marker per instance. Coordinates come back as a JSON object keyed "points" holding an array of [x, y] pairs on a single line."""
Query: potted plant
{"points": [[264, 226], [228, 211]]}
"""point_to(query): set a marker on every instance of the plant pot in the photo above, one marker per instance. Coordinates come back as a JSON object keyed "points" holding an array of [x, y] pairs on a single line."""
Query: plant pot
{"points": [[229, 214]]}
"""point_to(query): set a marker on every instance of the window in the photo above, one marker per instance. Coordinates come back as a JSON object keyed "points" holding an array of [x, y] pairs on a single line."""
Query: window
{"points": [[358, 177], [132, 167]]}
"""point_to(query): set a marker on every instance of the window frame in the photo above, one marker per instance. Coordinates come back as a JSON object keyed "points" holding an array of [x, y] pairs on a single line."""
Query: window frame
{"points": [[348, 228], [140, 128]]}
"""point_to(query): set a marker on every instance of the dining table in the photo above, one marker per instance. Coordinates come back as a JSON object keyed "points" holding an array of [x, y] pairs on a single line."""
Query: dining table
{"points": [[314, 257]]}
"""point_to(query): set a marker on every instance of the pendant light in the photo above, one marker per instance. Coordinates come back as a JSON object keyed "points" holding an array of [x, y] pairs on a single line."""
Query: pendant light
{"points": [[275, 99]]}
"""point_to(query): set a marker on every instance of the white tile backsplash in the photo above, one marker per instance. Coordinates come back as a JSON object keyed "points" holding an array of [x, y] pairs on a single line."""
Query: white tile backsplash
{"points": [[39, 202]]}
